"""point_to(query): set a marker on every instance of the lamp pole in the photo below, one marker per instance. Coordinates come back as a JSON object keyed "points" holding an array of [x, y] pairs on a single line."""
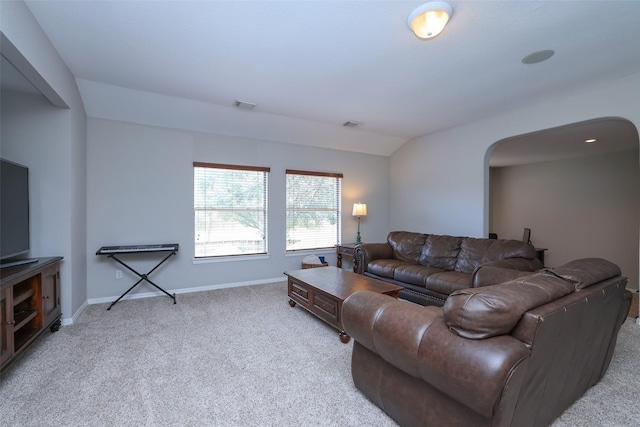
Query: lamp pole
{"points": [[359, 210]]}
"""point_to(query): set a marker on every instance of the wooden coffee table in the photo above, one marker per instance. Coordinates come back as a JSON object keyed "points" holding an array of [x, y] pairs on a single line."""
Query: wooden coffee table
{"points": [[322, 291]]}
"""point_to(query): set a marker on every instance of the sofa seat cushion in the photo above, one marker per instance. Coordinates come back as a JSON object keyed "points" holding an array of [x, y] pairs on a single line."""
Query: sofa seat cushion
{"points": [[385, 267], [479, 313], [414, 274], [448, 282]]}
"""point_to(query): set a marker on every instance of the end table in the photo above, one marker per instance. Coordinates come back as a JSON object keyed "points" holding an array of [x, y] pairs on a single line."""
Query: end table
{"points": [[346, 249]]}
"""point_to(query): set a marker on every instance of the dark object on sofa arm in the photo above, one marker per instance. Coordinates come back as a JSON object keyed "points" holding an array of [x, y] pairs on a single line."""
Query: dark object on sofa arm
{"points": [[430, 267], [514, 354]]}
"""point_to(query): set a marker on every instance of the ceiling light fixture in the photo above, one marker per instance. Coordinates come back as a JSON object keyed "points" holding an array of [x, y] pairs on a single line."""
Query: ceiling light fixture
{"points": [[428, 20], [590, 141]]}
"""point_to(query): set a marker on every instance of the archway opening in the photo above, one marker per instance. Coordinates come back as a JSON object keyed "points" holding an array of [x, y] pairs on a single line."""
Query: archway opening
{"points": [[580, 199]]}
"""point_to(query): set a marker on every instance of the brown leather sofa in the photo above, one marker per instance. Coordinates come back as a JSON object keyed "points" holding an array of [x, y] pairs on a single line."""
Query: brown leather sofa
{"points": [[430, 267], [513, 354]]}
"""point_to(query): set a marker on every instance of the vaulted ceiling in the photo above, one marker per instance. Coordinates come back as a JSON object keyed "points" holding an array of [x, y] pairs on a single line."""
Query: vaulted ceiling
{"points": [[310, 66]]}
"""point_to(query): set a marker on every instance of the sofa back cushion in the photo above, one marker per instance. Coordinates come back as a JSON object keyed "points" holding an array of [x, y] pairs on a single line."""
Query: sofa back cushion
{"points": [[474, 252], [478, 313], [440, 251], [407, 246]]}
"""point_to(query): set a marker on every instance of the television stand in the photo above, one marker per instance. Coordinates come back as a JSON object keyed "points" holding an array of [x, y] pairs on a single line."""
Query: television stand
{"points": [[29, 304], [15, 262]]}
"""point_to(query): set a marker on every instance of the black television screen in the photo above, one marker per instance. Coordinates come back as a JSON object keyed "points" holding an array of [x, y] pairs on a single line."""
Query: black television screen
{"points": [[14, 209]]}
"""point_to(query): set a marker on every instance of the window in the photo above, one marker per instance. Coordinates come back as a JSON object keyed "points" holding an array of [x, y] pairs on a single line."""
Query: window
{"points": [[313, 210], [230, 204]]}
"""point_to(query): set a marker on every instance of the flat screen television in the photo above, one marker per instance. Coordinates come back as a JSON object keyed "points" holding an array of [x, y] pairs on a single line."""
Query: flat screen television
{"points": [[14, 212]]}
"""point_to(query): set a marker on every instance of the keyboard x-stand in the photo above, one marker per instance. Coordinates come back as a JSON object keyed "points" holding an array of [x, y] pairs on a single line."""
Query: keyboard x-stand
{"points": [[112, 251]]}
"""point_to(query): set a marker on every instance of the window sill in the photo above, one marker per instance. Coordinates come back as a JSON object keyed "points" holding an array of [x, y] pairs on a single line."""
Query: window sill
{"points": [[230, 258], [311, 252]]}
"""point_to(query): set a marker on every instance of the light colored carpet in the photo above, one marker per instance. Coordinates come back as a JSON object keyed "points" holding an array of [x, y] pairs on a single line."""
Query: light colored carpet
{"points": [[229, 357]]}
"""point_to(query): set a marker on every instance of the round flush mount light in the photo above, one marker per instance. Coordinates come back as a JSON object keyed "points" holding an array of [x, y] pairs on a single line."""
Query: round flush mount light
{"points": [[539, 56], [428, 20]]}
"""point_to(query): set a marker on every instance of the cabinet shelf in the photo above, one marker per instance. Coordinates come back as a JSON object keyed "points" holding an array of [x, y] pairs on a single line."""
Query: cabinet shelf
{"points": [[22, 318], [28, 293], [22, 337]]}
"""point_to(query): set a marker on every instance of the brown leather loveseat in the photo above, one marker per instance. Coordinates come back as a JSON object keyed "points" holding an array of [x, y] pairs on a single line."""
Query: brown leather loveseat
{"points": [[430, 267], [513, 354]]}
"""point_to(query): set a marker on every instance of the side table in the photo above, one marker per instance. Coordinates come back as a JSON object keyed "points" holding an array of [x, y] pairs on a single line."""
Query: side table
{"points": [[346, 249]]}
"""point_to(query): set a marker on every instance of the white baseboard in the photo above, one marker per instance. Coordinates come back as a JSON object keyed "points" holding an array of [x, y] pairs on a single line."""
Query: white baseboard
{"points": [[186, 290], [66, 321]]}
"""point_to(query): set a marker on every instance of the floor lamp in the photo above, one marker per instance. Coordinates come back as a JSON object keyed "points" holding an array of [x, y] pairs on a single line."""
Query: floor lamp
{"points": [[359, 210]]}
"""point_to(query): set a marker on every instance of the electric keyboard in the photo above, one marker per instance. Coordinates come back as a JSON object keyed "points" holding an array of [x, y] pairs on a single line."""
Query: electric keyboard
{"points": [[113, 252], [164, 247]]}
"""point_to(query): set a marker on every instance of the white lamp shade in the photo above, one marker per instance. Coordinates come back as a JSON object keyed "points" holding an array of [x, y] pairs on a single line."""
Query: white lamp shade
{"points": [[359, 209], [429, 20]]}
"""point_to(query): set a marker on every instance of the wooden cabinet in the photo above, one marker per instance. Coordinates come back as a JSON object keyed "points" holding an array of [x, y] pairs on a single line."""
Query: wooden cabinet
{"points": [[6, 319], [29, 304], [51, 297]]}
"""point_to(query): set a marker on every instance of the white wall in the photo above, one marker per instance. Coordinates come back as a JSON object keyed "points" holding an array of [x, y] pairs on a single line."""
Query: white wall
{"points": [[439, 182], [577, 208], [140, 190], [51, 141]]}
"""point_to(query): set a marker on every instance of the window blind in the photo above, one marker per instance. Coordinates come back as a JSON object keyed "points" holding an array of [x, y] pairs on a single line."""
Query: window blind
{"points": [[313, 210], [230, 206]]}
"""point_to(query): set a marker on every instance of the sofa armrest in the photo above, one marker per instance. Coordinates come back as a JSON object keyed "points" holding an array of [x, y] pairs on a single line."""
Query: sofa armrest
{"points": [[487, 276], [390, 328], [366, 252], [494, 272], [416, 340]]}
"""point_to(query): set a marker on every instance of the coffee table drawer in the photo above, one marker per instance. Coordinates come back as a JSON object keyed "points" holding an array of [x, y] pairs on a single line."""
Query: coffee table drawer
{"points": [[320, 304], [299, 291], [326, 308]]}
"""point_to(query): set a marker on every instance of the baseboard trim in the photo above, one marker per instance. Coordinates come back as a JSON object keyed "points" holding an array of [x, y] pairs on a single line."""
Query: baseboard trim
{"points": [[103, 300], [66, 321]]}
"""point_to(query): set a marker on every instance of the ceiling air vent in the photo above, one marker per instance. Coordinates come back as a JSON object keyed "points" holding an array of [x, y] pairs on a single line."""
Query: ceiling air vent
{"points": [[351, 124], [244, 105]]}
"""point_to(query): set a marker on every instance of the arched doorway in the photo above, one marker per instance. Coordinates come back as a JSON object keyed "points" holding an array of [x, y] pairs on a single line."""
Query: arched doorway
{"points": [[579, 199]]}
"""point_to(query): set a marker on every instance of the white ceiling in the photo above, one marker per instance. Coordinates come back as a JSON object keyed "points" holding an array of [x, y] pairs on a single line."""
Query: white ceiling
{"points": [[328, 62]]}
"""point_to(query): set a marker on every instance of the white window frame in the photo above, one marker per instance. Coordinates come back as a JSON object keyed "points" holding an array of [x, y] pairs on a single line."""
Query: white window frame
{"points": [[210, 221], [295, 206]]}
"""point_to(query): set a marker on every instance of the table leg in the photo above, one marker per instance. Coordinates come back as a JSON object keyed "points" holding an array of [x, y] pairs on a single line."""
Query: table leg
{"points": [[344, 338]]}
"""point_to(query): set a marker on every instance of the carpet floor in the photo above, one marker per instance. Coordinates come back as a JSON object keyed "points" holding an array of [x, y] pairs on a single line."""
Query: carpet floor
{"points": [[229, 357]]}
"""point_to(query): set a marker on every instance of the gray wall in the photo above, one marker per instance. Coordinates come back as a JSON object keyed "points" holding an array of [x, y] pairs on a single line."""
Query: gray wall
{"points": [[140, 190], [578, 208], [51, 142]]}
